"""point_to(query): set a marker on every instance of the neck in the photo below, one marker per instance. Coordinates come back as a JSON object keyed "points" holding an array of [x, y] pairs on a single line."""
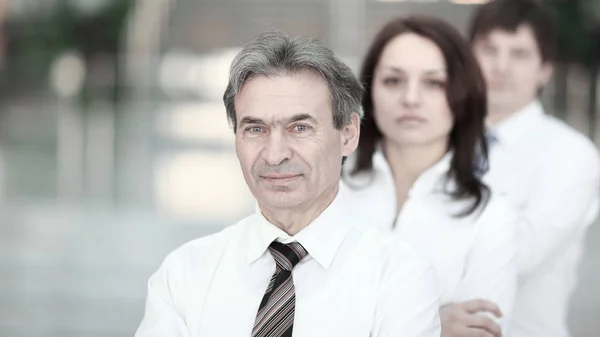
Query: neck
{"points": [[409, 162], [498, 114], [293, 220]]}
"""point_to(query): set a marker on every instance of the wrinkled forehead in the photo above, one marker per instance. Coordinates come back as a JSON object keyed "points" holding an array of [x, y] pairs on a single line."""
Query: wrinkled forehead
{"points": [[278, 98]]}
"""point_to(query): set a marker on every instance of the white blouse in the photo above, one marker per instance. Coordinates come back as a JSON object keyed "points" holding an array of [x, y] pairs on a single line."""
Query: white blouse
{"points": [[473, 256]]}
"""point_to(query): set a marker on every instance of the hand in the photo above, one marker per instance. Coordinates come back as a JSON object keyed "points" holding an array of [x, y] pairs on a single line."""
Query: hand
{"points": [[464, 320]]}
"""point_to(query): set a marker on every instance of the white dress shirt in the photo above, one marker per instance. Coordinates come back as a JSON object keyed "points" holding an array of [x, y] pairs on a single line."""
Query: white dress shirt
{"points": [[473, 256], [550, 172], [354, 282]]}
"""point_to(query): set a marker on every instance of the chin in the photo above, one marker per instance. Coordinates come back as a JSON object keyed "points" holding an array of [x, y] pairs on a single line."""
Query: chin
{"points": [[501, 98], [418, 140], [281, 200]]}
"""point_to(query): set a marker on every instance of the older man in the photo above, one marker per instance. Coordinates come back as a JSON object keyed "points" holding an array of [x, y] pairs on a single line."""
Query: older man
{"points": [[300, 265]]}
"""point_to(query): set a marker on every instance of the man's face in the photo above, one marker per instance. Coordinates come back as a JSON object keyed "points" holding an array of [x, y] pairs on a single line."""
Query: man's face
{"points": [[289, 151], [513, 68]]}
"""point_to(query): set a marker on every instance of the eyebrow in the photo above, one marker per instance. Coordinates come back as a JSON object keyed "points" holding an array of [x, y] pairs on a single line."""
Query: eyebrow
{"points": [[302, 117], [428, 72], [293, 119], [251, 120]]}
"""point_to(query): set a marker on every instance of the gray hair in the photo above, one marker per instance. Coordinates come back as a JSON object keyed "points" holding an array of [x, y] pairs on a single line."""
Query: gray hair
{"points": [[276, 53]]}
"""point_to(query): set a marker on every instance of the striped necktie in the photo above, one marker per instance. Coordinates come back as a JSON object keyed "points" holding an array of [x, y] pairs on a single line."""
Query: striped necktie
{"points": [[275, 316]]}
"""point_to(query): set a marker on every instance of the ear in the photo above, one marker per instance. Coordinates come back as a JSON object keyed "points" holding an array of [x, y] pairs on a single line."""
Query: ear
{"points": [[545, 74], [351, 135]]}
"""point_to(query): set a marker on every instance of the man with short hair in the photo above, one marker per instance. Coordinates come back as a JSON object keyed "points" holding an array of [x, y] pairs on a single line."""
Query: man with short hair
{"points": [[546, 168], [300, 265]]}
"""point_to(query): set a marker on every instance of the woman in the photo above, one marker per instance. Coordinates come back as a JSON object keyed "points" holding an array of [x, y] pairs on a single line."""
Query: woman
{"points": [[416, 171]]}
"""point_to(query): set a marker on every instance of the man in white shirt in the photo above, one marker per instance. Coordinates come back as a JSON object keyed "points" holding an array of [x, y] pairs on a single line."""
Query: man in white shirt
{"points": [[548, 170], [300, 264]]}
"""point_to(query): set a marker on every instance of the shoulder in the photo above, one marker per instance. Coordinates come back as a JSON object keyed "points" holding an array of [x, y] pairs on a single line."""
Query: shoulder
{"points": [[498, 206], [567, 145], [395, 255], [201, 251], [405, 277]]}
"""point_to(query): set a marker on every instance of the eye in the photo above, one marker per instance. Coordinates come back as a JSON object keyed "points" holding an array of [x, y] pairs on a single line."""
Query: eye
{"points": [[438, 84], [487, 49], [254, 129], [520, 54], [392, 81], [300, 128]]}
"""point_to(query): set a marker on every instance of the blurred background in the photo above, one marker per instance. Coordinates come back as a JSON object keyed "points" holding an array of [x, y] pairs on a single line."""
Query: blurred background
{"points": [[115, 149]]}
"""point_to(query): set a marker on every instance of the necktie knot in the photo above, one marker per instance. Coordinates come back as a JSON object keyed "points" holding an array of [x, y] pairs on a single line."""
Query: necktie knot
{"points": [[482, 163], [288, 255]]}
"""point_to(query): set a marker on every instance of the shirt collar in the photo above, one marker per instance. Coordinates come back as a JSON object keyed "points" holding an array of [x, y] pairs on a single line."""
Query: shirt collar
{"points": [[426, 182], [512, 129], [322, 238]]}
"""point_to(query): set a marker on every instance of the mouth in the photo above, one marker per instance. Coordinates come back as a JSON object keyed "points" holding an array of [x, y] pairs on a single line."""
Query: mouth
{"points": [[498, 85], [280, 177], [410, 120]]}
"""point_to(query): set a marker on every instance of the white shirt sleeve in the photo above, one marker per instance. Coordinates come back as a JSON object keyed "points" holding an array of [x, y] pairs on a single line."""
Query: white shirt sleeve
{"points": [[162, 317], [563, 201], [408, 303], [491, 271]]}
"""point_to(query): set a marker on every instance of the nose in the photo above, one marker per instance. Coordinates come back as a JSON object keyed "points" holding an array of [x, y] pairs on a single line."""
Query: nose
{"points": [[500, 64], [277, 149], [411, 96]]}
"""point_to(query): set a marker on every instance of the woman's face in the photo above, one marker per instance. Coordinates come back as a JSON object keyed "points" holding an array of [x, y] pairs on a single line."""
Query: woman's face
{"points": [[409, 92]]}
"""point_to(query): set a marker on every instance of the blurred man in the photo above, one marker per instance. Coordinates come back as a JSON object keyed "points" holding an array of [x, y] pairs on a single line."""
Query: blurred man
{"points": [[300, 263], [548, 170]]}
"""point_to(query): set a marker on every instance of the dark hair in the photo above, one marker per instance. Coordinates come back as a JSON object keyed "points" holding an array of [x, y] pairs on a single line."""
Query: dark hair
{"points": [[466, 94], [509, 15]]}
